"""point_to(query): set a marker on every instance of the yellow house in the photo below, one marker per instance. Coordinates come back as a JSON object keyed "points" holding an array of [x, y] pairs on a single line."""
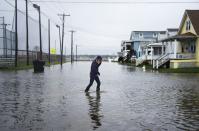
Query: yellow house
{"points": [[185, 43]]}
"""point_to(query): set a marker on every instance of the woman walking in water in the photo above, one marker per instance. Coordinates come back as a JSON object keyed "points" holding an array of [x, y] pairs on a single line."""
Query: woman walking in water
{"points": [[94, 73]]}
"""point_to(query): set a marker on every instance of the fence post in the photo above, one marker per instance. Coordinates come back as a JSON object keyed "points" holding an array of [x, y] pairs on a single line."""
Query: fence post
{"points": [[11, 44], [49, 41], [3, 26], [157, 64], [16, 35]]}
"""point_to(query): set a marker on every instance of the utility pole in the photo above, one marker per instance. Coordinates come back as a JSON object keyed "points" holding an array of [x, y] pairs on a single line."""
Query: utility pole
{"points": [[65, 50], [27, 38], [49, 41], [40, 37], [72, 32], [16, 35], [63, 21], [4, 38], [76, 52], [59, 37]]}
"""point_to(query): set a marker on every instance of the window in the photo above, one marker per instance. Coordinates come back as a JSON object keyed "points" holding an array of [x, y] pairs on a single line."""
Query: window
{"points": [[188, 25], [154, 34], [193, 48], [141, 35], [128, 47]]}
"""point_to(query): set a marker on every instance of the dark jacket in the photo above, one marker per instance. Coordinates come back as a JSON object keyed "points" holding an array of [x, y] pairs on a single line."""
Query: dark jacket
{"points": [[94, 69]]}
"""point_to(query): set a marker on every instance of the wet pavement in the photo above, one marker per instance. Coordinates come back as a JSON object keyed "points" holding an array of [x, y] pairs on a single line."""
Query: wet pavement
{"points": [[129, 100]]}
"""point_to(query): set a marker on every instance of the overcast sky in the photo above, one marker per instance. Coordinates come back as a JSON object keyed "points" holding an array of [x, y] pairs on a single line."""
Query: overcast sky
{"points": [[101, 27]]}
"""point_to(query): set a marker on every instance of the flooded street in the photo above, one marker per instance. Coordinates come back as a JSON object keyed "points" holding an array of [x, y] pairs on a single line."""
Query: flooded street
{"points": [[129, 100]]}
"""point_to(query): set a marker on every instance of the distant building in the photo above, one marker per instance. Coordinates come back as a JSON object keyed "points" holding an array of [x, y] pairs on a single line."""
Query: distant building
{"points": [[140, 39], [126, 48], [137, 46]]}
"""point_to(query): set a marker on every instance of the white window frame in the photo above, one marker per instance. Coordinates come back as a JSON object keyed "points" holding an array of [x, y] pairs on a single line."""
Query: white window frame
{"points": [[188, 25]]}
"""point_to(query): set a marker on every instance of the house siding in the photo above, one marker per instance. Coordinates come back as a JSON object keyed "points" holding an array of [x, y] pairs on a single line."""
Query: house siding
{"points": [[183, 30], [183, 63], [197, 50], [146, 38]]}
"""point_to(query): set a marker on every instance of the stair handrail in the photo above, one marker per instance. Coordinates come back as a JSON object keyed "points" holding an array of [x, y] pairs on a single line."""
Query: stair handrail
{"points": [[139, 61], [162, 56], [158, 61]]}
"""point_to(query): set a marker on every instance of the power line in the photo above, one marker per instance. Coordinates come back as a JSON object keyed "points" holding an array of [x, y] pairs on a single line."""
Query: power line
{"points": [[48, 17], [80, 29], [116, 2]]}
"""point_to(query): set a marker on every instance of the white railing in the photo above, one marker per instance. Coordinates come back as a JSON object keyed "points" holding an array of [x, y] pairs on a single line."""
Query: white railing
{"points": [[161, 60], [185, 56], [139, 61], [166, 57]]}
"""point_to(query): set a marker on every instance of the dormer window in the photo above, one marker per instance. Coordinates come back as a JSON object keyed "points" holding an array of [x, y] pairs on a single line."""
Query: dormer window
{"points": [[188, 25]]}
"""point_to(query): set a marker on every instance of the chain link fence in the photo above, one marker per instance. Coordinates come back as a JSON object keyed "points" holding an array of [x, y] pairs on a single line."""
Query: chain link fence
{"points": [[7, 34]]}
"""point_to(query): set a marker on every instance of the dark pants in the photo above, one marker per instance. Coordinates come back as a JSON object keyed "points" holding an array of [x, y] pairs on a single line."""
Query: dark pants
{"points": [[92, 78]]}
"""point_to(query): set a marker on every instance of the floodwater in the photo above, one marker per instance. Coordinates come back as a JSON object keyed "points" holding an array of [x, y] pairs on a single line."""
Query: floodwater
{"points": [[130, 100]]}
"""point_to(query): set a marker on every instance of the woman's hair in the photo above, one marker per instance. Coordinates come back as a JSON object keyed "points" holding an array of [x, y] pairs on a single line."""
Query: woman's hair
{"points": [[98, 58]]}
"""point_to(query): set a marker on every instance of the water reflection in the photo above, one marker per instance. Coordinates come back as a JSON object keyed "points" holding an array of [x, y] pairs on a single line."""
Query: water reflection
{"points": [[95, 109], [187, 113], [133, 100], [18, 110]]}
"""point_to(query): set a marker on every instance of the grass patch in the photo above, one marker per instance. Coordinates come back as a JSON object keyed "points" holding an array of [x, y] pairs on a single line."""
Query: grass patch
{"points": [[23, 66], [19, 67], [180, 70]]}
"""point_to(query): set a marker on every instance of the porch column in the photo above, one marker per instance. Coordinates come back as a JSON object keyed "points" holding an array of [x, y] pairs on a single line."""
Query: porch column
{"points": [[175, 48], [124, 49], [162, 48], [151, 55], [146, 52]]}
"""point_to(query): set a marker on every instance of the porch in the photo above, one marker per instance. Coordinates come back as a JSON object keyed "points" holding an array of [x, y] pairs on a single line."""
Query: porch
{"points": [[181, 46], [180, 51], [152, 51]]}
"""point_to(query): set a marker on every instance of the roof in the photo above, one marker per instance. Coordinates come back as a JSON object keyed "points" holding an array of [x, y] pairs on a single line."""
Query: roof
{"points": [[155, 44], [188, 34], [172, 29], [150, 31], [184, 36], [161, 32], [127, 41], [194, 17]]}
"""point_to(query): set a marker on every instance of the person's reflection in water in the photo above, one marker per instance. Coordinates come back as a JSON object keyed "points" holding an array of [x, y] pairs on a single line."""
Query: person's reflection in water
{"points": [[94, 110]]}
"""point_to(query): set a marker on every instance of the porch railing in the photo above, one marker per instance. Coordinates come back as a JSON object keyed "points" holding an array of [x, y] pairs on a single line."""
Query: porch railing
{"points": [[166, 57], [161, 60], [185, 56]]}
